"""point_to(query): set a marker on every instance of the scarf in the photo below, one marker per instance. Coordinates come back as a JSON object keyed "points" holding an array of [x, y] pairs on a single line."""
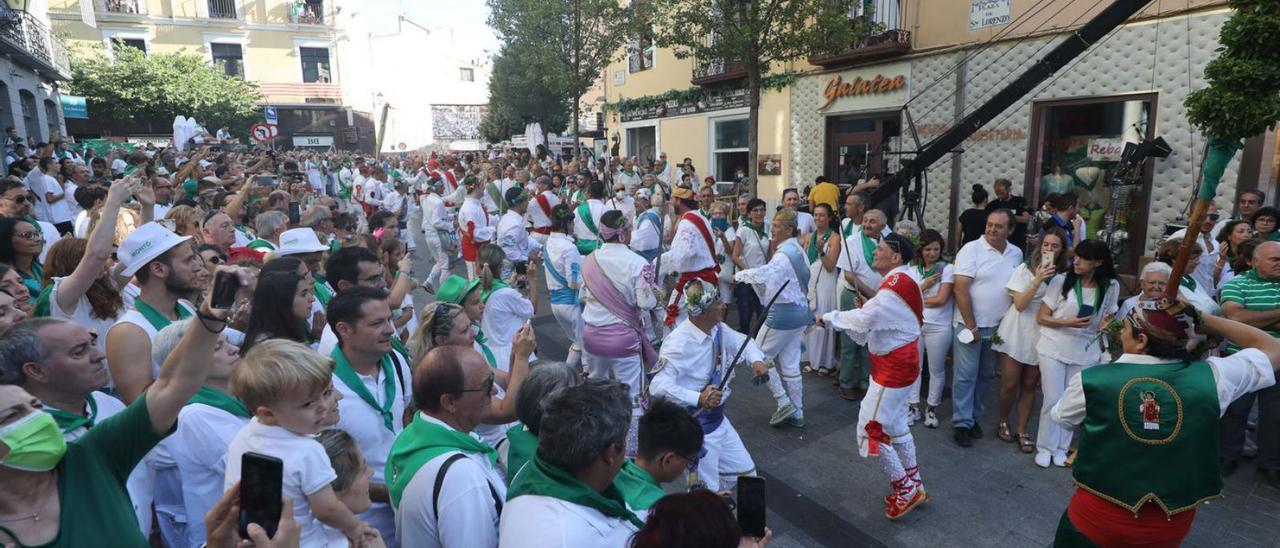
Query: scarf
{"points": [[759, 230], [69, 421], [483, 342], [218, 399], [347, 374], [155, 318], [868, 248], [812, 251], [540, 478], [932, 270], [422, 441]]}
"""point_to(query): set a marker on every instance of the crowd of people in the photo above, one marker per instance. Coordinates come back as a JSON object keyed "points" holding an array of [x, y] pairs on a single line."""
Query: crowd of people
{"points": [[129, 397]]}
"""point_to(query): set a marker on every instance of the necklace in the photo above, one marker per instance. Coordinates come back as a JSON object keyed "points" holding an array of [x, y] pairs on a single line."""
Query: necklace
{"points": [[35, 516]]}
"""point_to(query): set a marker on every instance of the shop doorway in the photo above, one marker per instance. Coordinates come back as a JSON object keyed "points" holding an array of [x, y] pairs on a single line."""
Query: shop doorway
{"points": [[642, 143], [856, 147]]}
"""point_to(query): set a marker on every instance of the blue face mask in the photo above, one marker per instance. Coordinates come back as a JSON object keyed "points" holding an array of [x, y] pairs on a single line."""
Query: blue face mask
{"points": [[720, 224]]}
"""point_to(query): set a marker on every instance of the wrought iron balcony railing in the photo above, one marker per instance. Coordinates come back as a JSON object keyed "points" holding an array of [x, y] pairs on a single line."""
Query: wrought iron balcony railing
{"points": [[30, 42]]}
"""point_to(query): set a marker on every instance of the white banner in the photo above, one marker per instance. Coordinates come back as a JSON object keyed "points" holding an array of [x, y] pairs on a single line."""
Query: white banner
{"points": [[988, 13], [312, 140], [87, 15]]}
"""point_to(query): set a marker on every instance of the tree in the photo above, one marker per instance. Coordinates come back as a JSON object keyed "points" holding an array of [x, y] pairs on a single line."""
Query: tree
{"points": [[581, 36], [753, 34], [159, 86], [525, 87]]}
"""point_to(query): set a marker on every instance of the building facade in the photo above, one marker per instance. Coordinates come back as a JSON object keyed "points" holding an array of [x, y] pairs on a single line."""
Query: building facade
{"points": [[287, 47], [33, 64], [860, 111]]}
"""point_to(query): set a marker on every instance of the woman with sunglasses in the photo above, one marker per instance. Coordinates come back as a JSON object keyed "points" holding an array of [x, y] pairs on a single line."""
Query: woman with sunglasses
{"points": [[20, 246]]}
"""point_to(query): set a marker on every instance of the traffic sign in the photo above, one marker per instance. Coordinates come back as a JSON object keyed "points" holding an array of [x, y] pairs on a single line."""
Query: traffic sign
{"points": [[269, 112], [263, 133]]}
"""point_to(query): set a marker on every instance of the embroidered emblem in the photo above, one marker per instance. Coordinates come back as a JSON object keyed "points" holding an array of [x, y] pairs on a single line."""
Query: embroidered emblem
{"points": [[1150, 410], [1147, 408]]}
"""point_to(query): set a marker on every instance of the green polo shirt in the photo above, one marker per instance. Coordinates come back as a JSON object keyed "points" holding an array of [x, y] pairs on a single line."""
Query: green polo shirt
{"points": [[1253, 293]]}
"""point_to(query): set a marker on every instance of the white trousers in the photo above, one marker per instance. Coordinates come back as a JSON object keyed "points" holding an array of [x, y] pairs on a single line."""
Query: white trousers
{"points": [[726, 459], [783, 346], [887, 406], [569, 316], [1052, 438], [935, 343], [628, 370]]}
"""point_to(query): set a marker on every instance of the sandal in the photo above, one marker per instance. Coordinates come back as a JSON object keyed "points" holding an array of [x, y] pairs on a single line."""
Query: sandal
{"points": [[825, 371], [806, 368], [1026, 444], [1002, 432]]}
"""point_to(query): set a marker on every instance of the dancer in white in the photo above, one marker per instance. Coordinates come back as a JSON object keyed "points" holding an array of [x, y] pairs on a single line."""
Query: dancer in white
{"points": [[564, 277]]}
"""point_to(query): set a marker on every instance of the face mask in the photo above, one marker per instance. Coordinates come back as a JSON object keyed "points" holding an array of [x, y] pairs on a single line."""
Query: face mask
{"points": [[35, 443], [720, 224]]}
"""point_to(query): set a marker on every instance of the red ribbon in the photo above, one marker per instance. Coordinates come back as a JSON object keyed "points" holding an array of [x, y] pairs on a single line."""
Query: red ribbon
{"points": [[875, 436]]}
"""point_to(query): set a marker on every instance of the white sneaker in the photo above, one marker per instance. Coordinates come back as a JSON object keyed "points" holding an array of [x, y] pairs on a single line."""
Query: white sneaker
{"points": [[1060, 461], [930, 418], [913, 415], [1042, 459]]}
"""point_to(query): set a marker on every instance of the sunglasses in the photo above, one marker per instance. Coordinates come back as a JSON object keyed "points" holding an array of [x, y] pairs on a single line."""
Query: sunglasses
{"points": [[20, 199], [485, 387]]}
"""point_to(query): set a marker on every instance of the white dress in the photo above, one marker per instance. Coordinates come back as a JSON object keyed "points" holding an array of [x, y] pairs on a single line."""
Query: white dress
{"points": [[1019, 330], [820, 342]]}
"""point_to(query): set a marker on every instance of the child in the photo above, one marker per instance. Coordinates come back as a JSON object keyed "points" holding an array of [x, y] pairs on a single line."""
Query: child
{"points": [[289, 389], [353, 473]]}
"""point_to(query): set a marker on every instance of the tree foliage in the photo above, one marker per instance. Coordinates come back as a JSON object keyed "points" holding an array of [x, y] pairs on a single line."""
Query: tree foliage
{"points": [[579, 38], [525, 87], [1243, 97], [159, 86]]}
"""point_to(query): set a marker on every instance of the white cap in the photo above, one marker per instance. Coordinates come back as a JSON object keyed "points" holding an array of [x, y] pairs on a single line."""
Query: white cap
{"points": [[144, 244], [299, 240]]}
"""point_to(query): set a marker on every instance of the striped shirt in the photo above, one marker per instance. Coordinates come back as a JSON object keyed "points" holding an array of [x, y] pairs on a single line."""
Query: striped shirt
{"points": [[1253, 293]]}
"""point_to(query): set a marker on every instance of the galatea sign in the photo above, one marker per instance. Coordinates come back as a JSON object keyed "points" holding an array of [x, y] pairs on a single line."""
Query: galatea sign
{"points": [[837, 88]]}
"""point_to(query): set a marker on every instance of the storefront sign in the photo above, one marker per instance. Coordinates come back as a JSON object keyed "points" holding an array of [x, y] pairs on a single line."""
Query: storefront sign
{"points": [[711, 102], [312, 140], [837, 88], [988, 134], [988, 13], [1105, 150], [73, 106]]}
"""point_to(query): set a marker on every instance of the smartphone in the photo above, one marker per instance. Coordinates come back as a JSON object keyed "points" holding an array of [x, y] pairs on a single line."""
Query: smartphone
{"points": [[1046, 259], [266, 180], [261, 477], [751, 506], [225, 286], [1085, 311], [295, 213]]}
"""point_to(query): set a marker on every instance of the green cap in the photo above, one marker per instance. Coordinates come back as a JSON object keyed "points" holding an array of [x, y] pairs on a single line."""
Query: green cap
{"points": [[455, 289]]}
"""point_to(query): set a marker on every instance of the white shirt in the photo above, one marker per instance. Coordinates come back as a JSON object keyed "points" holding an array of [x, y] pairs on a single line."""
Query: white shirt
{"points": [[754, 247], [646, 234], [1246, 371], [689, 251], [580, 230], [1075, 345], [1203, 271], [513, 237], [564, 256], [394, 202], [546, 522], [436, 218], [624, 203], [538, 217], [775, 273], [884, 323], [465, 503], [80, 227], [629, 273], [366, 426], [990, 270], [804, 221], [504, 313], [472, 218], [937, 315], [687, 358], [83, 314], [199, 450], [118, 165], [158, 211], [853, 259], [43, 185], [306, 472]]}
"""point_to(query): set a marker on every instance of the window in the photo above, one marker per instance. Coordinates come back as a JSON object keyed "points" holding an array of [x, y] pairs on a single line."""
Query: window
{"points": [[29, 120], [222, 9], [467, 74], [135, 43], [640, 53], [229, 58], [729, 148], [1078, 150], [51, 118], [315, 64], [642, 142]]}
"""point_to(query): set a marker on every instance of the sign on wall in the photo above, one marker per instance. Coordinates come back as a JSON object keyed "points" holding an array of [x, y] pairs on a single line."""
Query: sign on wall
{"points": [[988, 13], [1106, 149], [312, 140], [73, 106], [837, 87]]}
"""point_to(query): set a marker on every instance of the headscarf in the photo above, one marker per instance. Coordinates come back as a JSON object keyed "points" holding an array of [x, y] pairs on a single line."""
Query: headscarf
{"points": [[621, 232]]}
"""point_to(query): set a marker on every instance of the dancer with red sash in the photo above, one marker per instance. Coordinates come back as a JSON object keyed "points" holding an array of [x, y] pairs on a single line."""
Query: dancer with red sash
{"points": [[618, 292], [544, 202], [693, 250], [889, 324], [476, 227]]}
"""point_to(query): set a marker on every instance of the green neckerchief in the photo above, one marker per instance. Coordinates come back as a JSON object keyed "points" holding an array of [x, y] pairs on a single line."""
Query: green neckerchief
{"points": [[33, 281], [261, 244], [398, 346], [497, 284], [69, 421], [42, 302], [218, 399], [155, 318], [759, 230], [540, 478], [868, 247], [1188, 282], [420, 442], [584, 212], [847, 228], [323, 294], [521, 445], [813, 251], [638, 487], [483, 341], [932, 270], [1097, 299], [345, 373]]}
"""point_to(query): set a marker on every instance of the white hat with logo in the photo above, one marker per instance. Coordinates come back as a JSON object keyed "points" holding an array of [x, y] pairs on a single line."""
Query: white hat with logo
{"points": [[299, 240], [144, 244]]}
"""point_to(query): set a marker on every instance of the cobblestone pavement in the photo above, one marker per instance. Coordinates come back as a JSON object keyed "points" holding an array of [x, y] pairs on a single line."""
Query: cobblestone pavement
{"points": [[821, 493]]}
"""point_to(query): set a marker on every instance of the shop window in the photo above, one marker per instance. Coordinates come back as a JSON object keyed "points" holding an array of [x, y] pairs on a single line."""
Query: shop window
{"points": [[315, 64], [467, 74], [229, 58], [729, 148], [642, 142], [29, 120], [1080, 151]]}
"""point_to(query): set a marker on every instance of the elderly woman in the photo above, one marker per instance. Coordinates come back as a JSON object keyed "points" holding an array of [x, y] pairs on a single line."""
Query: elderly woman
{"points": [[544, 380], [1189, 289], [1153, 279]]}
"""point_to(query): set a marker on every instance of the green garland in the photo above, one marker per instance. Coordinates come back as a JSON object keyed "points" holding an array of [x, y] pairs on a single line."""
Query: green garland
{"points": [[694, 94]]}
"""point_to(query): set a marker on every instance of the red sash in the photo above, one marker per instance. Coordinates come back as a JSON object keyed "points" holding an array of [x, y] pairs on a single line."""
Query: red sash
{"points": [[545, 205], [696, 220], [1109, 525], [907, 290], [542, 230], [899, 368]]}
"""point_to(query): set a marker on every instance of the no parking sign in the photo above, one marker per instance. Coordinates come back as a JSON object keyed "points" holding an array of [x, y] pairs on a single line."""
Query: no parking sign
{"points": [[262, 133]]}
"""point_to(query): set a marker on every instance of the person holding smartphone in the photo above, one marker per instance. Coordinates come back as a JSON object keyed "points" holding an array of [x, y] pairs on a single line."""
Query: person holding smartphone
{"points": [[1077, 306]]}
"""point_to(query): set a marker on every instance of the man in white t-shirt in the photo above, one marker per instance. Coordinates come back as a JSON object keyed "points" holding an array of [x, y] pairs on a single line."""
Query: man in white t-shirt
{"points": [[791, 199], [982, 269], [51, 198]]}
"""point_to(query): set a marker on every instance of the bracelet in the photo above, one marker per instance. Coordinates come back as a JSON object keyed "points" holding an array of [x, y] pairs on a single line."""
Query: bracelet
{"points": [[203, 317]]}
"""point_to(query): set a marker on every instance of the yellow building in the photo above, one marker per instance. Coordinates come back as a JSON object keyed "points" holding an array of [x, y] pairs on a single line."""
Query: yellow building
{"points": [[859, 112], [286, 46]]}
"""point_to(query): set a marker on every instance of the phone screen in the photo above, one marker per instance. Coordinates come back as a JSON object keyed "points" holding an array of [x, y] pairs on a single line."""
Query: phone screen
{"points": [[1085, 311], [295, 213], [266, 180], [751, 506], [260, 492], [225, 286]]}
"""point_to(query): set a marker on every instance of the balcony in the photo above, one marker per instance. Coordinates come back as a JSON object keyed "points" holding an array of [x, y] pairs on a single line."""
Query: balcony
{"points": [[222, 9], [128, 7], [306, 13], [713, 71], [298, 93], [879, 35], [31, 43]]}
